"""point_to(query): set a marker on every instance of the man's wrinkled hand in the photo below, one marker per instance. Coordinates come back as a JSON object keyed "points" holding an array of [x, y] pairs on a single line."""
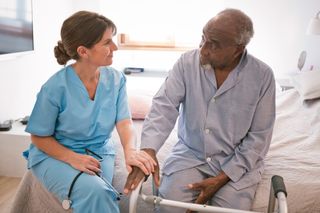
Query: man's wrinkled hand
{"points": [[137, 175], [133, 179], [208, 188]]}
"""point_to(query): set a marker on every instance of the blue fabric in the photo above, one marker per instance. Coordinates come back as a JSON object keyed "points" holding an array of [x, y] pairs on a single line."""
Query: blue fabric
{"points": [[88, 191], [64, 110], [229, 127]]}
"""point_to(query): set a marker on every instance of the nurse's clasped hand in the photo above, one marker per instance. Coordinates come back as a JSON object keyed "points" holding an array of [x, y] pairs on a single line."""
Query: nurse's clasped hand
{"points": [[85, 163], [141, 159], [91, 165], [136, 175]]}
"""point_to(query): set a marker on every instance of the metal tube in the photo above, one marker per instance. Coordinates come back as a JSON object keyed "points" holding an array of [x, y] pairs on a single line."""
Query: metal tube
{"points": [[272, 200], [192, 206], [134, 199], [282, 202]]}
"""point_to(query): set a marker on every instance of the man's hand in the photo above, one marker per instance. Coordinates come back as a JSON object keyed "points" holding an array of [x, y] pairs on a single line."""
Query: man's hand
{"points": [[136, 175], [208, 188], [140, 159]]}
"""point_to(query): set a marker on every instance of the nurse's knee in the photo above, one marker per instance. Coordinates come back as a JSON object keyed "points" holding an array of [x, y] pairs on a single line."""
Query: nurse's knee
{"points": [[100, 195], [96, 188]]}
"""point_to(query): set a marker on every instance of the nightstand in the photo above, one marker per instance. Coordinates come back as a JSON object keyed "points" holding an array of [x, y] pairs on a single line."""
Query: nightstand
{"points": [[12, 144]]}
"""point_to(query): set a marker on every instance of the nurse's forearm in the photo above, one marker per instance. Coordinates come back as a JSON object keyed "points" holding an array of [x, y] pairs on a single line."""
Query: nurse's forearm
{"points": [[127, 135], [53, 148], [134, 157]]}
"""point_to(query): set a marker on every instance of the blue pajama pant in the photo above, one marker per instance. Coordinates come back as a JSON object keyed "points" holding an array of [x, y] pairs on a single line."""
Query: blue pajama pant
{"points": [[174, 187], [89, 193]]}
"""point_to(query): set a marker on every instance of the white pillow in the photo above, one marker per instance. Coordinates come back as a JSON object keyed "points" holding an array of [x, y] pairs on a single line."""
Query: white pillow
{"points": [[139, 106], [307, 84]]}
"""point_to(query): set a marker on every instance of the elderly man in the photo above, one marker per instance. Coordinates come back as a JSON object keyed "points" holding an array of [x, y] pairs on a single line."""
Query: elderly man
{"points": [[225, 101]]}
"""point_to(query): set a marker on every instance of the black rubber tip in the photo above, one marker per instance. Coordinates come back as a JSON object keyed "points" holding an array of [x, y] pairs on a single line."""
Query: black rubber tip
{"points": [[278, 185]]}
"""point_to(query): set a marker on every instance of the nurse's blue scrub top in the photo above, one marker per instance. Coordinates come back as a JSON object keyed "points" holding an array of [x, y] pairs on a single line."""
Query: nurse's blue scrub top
{"points": [[65, 111]]}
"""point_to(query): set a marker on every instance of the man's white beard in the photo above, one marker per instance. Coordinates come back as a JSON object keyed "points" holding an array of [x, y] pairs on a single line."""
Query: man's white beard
{"points": [[207, 66]]}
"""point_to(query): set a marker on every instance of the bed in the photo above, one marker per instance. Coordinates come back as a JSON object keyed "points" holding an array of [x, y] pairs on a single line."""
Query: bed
{"points": [[293, 154]]}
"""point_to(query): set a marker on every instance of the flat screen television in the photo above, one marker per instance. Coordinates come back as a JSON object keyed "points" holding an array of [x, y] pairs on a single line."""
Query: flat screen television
{"points": [[16, 27]]}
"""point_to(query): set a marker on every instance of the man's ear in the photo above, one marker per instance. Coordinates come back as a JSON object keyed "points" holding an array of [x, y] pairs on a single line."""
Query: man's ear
{"points": [[82, 52], [240, 49]]}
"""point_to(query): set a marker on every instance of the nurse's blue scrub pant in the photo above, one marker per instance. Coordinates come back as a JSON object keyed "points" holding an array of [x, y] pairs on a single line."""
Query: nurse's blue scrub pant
{"points": [[89, 193]]}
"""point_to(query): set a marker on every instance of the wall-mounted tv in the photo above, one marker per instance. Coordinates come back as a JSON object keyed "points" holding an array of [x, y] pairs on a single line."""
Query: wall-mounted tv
{"points": [[16, 27]]}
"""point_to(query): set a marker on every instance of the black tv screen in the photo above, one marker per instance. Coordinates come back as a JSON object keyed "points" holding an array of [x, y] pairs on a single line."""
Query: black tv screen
{"points": [[16, 28]]}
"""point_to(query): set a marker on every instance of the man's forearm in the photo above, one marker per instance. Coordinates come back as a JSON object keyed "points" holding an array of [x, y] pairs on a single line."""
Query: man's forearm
{"points": [[222, 178]]}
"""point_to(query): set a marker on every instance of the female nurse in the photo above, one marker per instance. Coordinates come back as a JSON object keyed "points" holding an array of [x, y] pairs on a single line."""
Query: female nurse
{"points": [[74, 115]]}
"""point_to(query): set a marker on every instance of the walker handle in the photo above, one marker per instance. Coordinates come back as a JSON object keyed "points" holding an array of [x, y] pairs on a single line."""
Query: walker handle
{"points": [[278, 185]]}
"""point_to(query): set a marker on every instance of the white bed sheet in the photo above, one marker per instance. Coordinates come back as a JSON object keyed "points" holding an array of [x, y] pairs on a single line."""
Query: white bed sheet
{"points": [[294, 154]]}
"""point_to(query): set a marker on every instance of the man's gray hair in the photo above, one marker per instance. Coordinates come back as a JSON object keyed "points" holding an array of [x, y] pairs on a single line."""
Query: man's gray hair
{"points": [[242, 23]]}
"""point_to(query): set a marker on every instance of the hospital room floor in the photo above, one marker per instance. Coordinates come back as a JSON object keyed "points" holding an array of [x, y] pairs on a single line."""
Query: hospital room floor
{"points": [[8, 187]]}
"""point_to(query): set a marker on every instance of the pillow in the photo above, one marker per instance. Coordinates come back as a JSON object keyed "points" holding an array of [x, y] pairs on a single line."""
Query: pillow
{"points": [[307, 84], [139, 106], [140, 92]]}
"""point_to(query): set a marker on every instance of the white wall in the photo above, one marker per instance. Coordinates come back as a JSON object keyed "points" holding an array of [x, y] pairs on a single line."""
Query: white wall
{"points": [[280, 27], [22, 77]]}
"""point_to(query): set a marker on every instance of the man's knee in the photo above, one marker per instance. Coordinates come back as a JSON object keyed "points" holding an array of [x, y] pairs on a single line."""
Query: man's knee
{"points": [[175, 186], [229, 197]]}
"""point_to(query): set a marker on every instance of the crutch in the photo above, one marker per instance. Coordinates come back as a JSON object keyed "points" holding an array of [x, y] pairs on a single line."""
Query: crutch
{"points": [[277, 191]]}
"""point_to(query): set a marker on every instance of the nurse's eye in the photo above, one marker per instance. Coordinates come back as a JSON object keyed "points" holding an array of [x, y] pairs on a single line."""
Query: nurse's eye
{"points": [[108, 42]]}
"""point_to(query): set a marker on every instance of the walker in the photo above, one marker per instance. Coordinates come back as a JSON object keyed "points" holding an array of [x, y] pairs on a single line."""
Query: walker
{"points": [[277, 193]]}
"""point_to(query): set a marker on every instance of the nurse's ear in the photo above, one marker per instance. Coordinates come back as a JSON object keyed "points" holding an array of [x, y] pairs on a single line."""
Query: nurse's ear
{"points": [[82, 52]]}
